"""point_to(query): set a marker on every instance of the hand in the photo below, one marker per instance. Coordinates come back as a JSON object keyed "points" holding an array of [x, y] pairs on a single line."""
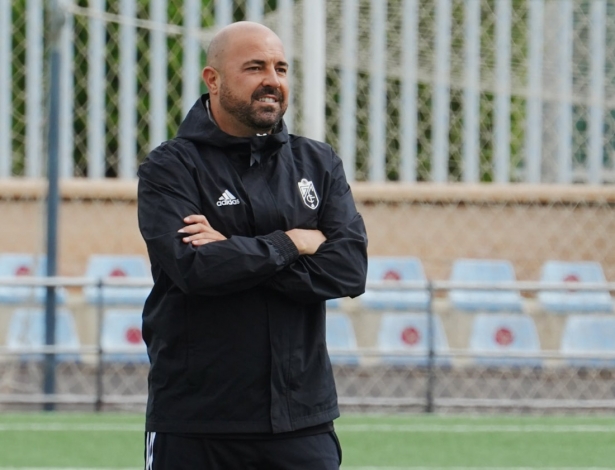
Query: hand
{"points": [[199, 231], [306, 241]]}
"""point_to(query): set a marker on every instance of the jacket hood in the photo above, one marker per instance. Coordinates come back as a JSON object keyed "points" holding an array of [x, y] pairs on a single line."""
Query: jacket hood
{"points": [[200, 129]]}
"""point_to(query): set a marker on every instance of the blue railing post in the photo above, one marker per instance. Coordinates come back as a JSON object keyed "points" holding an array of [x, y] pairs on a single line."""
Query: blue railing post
{"points": [[52, 197], [100, 307], [431, 379]]}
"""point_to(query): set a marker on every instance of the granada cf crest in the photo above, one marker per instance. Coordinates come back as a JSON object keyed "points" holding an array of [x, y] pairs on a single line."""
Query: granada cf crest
{"points": [[308, 193]]}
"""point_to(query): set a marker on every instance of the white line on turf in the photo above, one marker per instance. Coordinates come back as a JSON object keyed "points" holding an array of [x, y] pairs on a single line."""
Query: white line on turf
{"points": [[55, 427], [476, 468], [343, 468], [358, 428], [475, 428]]}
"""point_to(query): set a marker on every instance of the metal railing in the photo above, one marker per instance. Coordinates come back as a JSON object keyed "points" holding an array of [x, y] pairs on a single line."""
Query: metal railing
{"points": [[356, 384]]}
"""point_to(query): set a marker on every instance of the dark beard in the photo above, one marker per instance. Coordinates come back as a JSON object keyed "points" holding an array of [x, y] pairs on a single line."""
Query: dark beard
{"points": [[263, 119]]}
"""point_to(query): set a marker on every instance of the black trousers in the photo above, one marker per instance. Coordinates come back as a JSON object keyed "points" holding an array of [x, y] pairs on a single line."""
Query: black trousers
{"points": [[164, 451]]}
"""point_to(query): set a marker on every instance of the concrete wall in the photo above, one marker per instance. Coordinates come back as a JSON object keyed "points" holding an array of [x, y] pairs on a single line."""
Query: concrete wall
{"points": [[437, 223]]}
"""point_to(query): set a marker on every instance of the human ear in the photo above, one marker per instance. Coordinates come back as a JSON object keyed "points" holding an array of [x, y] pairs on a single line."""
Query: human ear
{"points": [[211, 77]]}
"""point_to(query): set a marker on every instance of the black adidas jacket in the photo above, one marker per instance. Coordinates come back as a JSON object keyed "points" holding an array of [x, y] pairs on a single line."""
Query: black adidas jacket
{"points": [[235, 329]]}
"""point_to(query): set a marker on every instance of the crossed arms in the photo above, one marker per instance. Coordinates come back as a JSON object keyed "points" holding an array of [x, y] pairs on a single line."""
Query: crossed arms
{"points": [[200, 232]]}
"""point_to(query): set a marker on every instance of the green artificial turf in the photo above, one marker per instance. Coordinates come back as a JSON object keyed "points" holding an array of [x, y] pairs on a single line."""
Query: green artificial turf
{"points": [[115, 441]]}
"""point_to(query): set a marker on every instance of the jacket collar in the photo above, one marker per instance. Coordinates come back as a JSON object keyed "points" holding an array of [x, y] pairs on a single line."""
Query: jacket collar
{"points": [[200, 128]]}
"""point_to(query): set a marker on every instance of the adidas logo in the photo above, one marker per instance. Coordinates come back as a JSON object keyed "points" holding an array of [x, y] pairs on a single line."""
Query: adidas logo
{"points": [[227, 199]]}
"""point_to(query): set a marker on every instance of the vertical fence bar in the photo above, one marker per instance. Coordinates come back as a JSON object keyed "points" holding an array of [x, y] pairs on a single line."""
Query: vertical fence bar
{"points": [[597, 35], [471, 94], [378, 92], [224, 12], [502, 99], [348, 92], [128, 93], [254, 10], [34, 88], [6, 102], [441, 92], [409, 90], [314, 70], [564, 125], [100, 308], [191, 78], [158, 75], [431, 358], [96, 92], [533, 123], [67, 92], [53, 193], [286, 29]]}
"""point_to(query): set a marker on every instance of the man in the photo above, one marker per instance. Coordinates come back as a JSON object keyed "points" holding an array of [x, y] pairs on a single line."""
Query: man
{"points": [[249, 231]]}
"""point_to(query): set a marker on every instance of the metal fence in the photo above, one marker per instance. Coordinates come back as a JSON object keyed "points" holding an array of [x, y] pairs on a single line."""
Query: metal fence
{"points": [[410, 90], [437, 223], [458, 378]]}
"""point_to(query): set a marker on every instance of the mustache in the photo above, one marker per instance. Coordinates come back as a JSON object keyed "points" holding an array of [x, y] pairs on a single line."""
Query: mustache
{"points": [[266, 90]]}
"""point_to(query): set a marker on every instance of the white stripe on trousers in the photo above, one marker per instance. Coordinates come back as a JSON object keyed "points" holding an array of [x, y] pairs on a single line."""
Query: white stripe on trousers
{"points": [[149, 452]]}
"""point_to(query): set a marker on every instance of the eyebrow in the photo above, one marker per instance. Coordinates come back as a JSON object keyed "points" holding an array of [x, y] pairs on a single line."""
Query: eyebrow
{"points": [[262, 62]]}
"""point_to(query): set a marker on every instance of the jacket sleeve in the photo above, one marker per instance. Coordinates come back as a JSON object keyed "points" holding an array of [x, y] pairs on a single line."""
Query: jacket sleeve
{"points": [[339, 267], [167, 193]]}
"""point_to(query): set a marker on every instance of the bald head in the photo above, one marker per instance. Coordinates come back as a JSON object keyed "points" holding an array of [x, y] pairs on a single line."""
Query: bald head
{"points": [[235, 35], [246, 76]]}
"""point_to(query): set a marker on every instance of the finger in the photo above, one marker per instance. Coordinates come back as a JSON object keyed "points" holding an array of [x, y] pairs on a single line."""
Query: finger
{"points": [[214, 236], [198, 236], [196, 228], [204, 241], [197, 219]]}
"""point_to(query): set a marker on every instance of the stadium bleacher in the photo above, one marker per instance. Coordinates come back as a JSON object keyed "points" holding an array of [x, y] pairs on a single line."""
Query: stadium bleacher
{"points": [[409, 332], [16, 265], [495, 319], [121, 338], [502, 339], [117, 266], [341, 337], [407, 269], [484, 271], [27, 329], [586, 337], [579, 272]]}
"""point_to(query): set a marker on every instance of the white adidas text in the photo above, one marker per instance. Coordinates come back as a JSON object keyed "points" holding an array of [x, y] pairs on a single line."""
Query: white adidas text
{"points": [[227, 199]]}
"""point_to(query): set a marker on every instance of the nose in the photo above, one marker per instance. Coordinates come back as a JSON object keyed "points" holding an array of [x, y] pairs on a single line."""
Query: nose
{"points": [[271, 78]]}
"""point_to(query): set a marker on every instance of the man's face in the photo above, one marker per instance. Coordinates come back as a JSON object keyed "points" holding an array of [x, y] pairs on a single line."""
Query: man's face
{"points": [[254, 86]]}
